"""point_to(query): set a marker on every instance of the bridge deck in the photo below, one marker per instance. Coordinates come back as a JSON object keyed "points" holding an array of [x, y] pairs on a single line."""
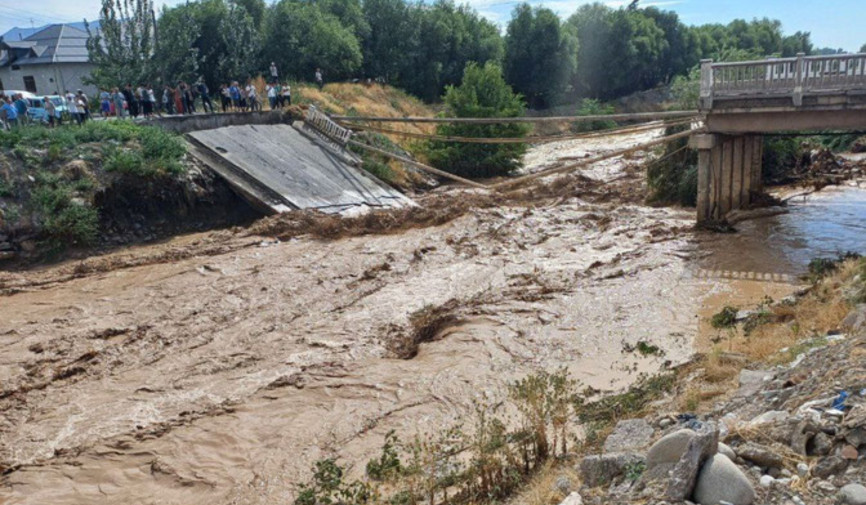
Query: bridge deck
{"points": [[282, 169]]}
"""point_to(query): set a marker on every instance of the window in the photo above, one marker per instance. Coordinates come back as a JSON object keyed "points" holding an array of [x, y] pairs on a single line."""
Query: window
{"points": [[30, 83]]}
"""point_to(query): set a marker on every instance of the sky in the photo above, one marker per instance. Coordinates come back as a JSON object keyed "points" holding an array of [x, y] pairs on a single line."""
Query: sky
{"points": [[833, 23]]}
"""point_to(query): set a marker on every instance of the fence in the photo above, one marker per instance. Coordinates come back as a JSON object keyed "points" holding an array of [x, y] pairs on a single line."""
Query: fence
{"points": [[793, 77]]}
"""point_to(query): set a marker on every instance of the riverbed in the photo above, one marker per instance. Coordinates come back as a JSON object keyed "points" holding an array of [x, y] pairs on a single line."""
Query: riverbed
{"points": [[222, 378]]}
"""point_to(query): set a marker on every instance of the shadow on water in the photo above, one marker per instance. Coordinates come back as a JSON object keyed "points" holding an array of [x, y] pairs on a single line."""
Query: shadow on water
{"points": [[820, 225]]}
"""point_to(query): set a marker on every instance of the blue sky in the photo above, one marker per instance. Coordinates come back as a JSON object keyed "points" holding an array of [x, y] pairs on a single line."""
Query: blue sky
{"points": [[833, 23]]}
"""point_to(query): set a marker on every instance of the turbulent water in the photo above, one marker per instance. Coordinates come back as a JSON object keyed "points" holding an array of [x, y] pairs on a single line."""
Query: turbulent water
{"points": [[222, 378]]}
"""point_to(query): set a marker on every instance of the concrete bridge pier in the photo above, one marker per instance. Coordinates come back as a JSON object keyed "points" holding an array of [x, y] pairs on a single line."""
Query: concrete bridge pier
{"points": [[729, 170]]}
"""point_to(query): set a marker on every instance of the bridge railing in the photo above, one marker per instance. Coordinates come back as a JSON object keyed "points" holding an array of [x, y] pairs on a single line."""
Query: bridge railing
{"points": [[326, 126], [794, 77]]}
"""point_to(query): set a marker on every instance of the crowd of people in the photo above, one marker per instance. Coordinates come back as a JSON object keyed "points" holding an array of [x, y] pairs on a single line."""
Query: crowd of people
{"points": [[144, 101]]}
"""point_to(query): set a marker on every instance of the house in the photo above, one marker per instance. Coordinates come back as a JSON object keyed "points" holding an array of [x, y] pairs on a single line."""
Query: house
{"points": [[47, 62]]}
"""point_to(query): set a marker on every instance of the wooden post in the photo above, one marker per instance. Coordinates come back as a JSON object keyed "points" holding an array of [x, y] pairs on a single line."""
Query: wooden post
{"points": [[706, 97]]}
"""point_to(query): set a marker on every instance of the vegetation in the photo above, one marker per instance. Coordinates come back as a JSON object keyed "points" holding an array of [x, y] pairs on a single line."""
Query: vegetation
{"points": [[483, 93], [537, 44], [593, 107], [725, 318], [673, 177], [66, 165], [463, 464], [420, 47]]}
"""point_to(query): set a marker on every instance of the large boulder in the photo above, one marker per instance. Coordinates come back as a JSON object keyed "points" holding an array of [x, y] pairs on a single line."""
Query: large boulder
{"points": [[720, 480], [572, 499], [852, 494], [829, 467], [630, 435], [669, 449], [704, 444], [602, 469]]}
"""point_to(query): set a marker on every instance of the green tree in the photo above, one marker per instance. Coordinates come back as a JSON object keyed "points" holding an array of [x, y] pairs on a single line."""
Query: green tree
{"points": [[863, 48], [593, 25], [300, 37], [387, 44], [540, 55], [483, 93], [800, 42], [122, 50], [241, 42], [255, 8], [175, 48]]}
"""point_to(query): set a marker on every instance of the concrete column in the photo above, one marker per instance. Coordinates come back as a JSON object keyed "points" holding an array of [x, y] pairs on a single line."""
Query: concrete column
{"points": [[704, 144], [729, 169]]}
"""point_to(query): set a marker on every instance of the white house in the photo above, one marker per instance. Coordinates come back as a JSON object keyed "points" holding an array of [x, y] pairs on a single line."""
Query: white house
{"points": [[50, 61]]}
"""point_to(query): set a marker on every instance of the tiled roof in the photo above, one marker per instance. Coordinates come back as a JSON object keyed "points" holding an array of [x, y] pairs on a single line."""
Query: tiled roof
{"points": [[52, 44]]}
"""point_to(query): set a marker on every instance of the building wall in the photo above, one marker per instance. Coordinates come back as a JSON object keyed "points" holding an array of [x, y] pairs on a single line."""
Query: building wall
{"points": [[49, 78]]}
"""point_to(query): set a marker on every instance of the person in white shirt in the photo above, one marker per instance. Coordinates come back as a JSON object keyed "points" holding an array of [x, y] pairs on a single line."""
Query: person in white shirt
{"points": [[252, 98], [72, 106], [287, 94], [272, 95]]}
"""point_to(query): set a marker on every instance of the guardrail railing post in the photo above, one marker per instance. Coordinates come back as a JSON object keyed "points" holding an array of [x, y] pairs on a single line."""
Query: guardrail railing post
{"points": [[800, 79], [706, 95]]}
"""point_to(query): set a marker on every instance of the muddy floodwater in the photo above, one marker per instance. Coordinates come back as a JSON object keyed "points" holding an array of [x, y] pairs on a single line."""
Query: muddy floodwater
{"points": [[222, 378]]}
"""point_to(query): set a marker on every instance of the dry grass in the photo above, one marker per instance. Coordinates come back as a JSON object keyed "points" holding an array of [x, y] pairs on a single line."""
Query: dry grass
{"points": [[541, 488]]}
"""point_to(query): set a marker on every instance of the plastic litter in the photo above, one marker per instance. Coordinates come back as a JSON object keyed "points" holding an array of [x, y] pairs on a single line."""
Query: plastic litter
{"points": [[839, 402]]}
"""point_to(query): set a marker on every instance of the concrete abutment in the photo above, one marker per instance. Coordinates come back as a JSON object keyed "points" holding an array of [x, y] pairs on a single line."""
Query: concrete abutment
{"points": [[729, 172]]}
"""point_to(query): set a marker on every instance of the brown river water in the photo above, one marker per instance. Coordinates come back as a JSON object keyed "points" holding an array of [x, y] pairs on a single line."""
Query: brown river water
{"points": [[222, 378]]}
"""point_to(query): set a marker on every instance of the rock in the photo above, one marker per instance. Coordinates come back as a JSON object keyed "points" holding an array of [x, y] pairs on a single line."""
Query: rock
{"points": [[720, 480], [767, 481], [852, 494], [855, 320], [856, 437], [772, 416], [849, 452], [829, 466], [822, 444], [629, 436], [751, 382], [665, 423], [702, 446], [727, 451], [669, 449], [572, 499], [802, 469], [604, 468], [563, 485], [825, 487], [760, 455], [28, 245]]}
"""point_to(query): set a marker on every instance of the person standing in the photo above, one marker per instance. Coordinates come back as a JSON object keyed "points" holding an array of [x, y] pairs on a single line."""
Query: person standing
{"points": [[225, 97], [129, 98], [119, 101], [10, 112], [274, 74], [105, 103], [50, 111], [21, 107], [72, 106], [320, 82], [272, 96], [167, 100], [85, 109], [203, 90], [235, 92], [252, 97], [287, 95]]}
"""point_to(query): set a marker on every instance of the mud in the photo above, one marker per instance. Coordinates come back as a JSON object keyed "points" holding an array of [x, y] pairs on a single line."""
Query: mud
{"points": [[217, 368]]}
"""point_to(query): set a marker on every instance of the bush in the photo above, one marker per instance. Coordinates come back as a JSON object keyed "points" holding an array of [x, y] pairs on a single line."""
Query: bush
{"points": [[483, 93], [725, 318], [781, 157], [673, 178], [593, 107]]}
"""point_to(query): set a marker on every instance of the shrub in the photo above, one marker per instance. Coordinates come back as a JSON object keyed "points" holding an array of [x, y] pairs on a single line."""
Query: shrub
{"points": [[725, 318], [781, 157], [673, 178], [593, 107], [483, 93]]}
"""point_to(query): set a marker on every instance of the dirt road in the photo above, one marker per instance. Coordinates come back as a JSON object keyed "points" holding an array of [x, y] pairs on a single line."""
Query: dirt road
{"points": [[221, 377]]}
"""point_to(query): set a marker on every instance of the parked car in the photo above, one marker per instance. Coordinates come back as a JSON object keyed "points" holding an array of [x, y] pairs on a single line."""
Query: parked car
{"points": [[13, 92]]}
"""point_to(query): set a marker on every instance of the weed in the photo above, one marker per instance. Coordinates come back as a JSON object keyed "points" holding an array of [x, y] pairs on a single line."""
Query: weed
{"points": [[609, 409], [726, 318], [388, 464], [5, 189], [643, 348], [328, 487], [819, 268], [593, 107], [634, 470]]}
